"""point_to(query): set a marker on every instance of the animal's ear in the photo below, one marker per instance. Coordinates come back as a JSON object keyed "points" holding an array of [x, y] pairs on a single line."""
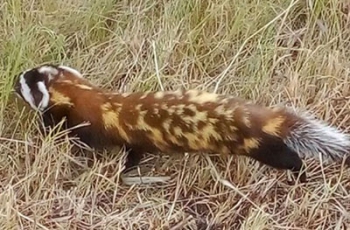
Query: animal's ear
{"points": [[70, 70], [49, 71]]}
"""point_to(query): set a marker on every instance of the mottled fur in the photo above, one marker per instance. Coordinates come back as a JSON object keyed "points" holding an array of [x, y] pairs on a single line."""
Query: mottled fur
{"points": [[179, 121]]}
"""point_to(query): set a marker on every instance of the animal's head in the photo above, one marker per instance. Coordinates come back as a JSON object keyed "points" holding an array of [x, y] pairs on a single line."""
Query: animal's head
{"points": [[33, 84]]}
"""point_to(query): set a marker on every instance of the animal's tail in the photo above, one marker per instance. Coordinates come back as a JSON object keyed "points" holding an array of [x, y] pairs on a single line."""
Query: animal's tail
{"points": [[310, 137]]}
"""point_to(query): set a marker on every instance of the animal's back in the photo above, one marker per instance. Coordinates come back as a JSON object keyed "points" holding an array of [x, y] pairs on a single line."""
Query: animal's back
{"points": [[186, 121]]}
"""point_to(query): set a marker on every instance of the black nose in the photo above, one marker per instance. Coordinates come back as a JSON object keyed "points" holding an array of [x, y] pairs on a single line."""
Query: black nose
{"points": [[17, 85], [17, 88], [17, 91]]}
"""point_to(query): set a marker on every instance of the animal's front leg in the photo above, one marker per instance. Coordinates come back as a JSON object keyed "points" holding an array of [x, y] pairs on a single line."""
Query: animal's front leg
{"points": [[46, 123], [133, 159]]}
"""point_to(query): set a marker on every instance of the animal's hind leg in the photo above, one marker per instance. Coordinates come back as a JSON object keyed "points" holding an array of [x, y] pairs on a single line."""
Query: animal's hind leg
{"points": [[278, 155]]}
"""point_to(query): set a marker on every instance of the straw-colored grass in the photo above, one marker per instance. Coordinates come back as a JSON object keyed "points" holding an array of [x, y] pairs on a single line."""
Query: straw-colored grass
{"points": [[272, 52]]}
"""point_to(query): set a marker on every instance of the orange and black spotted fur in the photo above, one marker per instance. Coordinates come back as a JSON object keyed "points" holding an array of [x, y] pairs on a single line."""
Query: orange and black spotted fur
{"points": [[186, 121]]}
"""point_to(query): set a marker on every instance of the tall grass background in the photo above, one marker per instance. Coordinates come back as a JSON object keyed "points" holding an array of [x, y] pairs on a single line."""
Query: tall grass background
{"points": [[292, 53]]}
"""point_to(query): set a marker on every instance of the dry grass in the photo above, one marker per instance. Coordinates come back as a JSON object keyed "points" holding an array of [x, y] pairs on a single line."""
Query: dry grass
{"points": [[291, 52]]}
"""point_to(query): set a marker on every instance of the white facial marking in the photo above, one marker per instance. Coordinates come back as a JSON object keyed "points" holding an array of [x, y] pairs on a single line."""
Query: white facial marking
{"points": [[50, 71], [71, 70], [45, 99], [25, 90]]}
